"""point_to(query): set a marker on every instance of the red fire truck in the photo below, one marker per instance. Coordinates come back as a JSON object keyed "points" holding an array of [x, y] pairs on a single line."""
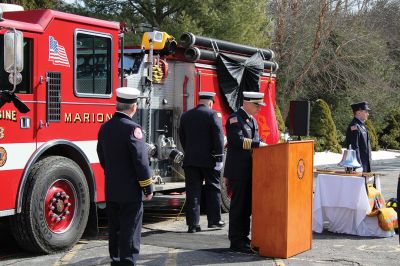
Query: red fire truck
{"points": [[56, 89]]}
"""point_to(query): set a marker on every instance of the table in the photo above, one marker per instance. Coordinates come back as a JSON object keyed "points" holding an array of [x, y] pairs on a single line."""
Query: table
{"points": [[342, 202]]}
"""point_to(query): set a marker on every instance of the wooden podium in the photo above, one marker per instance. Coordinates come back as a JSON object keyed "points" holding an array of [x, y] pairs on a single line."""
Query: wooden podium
{"points": [[282, 198]]}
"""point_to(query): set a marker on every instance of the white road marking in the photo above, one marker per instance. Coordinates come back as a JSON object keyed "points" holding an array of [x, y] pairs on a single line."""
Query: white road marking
{"points": [[279, 262], [380, 248], [171, 258]]}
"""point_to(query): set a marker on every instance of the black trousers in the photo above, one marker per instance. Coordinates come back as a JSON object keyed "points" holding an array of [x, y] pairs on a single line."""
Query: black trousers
{"points": [[240, 210], [194, 177], [124, 231]]}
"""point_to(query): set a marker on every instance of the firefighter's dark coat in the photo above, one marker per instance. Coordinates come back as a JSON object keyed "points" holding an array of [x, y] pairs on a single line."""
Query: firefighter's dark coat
{"points": [[243, 136], [123, 155], [357, 136], [202, 139]]}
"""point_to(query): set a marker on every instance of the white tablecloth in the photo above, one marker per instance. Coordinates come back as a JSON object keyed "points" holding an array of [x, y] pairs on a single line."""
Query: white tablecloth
{"points": [[342, 201]]}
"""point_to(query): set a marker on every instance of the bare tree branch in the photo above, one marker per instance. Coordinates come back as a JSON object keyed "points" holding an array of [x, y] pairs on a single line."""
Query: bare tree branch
{"points": [[316, 45]]}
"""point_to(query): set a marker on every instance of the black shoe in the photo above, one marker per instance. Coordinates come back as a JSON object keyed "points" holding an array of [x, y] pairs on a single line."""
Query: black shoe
{"points": [[218, 224], [241, 247], [194, 228]]}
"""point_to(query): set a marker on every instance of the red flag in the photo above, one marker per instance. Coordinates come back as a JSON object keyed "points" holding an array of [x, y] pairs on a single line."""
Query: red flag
{"points": [[268, 126]]}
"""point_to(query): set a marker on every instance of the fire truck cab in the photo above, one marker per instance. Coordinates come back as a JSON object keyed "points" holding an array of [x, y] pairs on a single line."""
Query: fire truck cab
{"points": [[67, 73]]}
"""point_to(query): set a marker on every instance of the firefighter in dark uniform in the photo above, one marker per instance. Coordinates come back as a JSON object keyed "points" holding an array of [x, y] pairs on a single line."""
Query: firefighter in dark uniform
{"points": [[201, 136], [243, 136], [124, 158], [357, 135]]}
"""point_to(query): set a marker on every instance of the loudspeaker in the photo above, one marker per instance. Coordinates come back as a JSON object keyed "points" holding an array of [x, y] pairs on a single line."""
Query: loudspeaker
{"points": [[299, 118]]}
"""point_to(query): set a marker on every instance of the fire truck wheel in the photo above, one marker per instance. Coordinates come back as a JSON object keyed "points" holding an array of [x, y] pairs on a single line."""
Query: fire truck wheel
{"points": [[225, 197], [55, 207]]}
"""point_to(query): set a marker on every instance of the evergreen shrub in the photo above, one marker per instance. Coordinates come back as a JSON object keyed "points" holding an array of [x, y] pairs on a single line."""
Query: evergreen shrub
{"points": [[390, 137], [323, 128], [373, 136], [279, 119]]}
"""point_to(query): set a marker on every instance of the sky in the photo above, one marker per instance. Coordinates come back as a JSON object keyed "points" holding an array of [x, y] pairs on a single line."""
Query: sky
{"points": [[70, 1]]}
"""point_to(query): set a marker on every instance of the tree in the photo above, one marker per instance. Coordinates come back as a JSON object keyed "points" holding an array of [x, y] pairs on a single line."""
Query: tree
{"points": [[373, 136], [239, 21], [335, 53], [323, 128], [224, 20], [279, 119], [154, 12], [299, 44], [390, 137], [33, 4], [385, 17]]}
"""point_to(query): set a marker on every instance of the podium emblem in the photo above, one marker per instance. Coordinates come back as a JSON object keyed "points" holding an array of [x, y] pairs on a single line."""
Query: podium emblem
{"points": [[300, 168]]}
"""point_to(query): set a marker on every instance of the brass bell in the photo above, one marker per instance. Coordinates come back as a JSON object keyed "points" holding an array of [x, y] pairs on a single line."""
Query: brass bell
{"points": [[349, 160]]}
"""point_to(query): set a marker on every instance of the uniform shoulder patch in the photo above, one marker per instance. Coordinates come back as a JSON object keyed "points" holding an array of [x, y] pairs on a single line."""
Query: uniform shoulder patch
{"points": [[354, 128], [137, 133], [233, 120]]}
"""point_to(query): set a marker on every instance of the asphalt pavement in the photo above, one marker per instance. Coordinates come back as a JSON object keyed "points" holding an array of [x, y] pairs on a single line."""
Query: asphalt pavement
{"points": [[165, 241]]}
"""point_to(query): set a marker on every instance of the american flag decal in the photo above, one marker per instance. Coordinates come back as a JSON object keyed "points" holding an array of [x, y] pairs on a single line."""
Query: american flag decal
{"points": [[57, 53]]}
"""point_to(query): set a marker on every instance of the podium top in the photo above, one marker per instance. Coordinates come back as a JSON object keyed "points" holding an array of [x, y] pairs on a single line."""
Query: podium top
{"points": [[291, 142]]}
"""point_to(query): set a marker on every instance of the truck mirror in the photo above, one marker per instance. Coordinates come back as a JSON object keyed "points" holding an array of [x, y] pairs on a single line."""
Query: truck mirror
{"points": [[13, 51]]}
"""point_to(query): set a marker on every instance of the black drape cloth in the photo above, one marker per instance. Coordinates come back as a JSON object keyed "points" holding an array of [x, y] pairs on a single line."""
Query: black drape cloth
{"points": [[234, 77]]}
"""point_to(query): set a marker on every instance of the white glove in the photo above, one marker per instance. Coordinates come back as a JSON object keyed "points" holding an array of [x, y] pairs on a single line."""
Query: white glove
{"points": [[148, 197], [218, 166], [262, 144]]}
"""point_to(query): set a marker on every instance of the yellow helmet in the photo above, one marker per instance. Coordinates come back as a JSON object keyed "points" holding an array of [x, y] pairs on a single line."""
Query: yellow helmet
{"points": [[392, 203]]}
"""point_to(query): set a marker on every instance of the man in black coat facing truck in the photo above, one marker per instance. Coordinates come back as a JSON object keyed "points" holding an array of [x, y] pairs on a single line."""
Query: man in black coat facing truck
{"points": [[202, 139], [123, 155]]}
